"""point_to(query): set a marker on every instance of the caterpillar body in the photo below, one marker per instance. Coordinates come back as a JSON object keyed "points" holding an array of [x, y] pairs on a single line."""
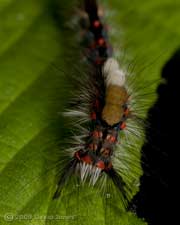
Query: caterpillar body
{"points": [[103, 151]]}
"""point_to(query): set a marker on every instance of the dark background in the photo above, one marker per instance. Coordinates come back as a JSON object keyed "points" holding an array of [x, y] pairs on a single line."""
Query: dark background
{"points": [[152, 202]]}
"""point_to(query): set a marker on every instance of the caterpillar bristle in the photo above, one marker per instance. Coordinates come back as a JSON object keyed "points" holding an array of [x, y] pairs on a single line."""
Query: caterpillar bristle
{"points": [[118, 181], [66, 173]]}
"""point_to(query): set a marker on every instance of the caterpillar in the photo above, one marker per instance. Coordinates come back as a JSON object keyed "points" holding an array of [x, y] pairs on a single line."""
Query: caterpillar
{"points": [[104, 152]]}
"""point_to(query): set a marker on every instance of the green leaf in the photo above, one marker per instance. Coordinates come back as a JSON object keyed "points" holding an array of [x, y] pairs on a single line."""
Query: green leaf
{"points": [[32, 96]]}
